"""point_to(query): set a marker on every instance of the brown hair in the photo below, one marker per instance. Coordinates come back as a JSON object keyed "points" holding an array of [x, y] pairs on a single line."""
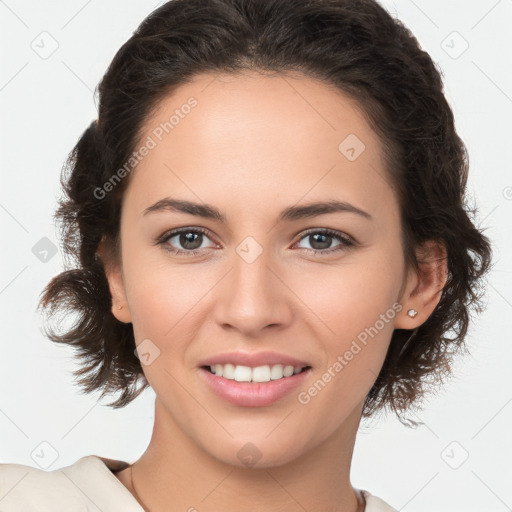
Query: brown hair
{"points": [[355, 46]]}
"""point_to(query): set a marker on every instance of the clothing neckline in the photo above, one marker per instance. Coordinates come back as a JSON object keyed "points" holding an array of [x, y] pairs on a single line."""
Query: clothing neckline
{"points": [[110, 467], [113, 466]]}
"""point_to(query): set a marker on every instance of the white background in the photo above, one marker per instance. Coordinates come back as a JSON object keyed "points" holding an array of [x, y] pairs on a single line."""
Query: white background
{"points": [[45, 106]]}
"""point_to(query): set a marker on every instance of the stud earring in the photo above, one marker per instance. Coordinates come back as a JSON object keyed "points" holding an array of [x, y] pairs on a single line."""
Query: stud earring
{"points": [[412, 313], [120, 306]]}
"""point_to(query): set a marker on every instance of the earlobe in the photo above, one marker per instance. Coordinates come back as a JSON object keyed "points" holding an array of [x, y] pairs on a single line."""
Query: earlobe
{"points": [[119, 303], [122, 313], [115, 280], [423, 289]]}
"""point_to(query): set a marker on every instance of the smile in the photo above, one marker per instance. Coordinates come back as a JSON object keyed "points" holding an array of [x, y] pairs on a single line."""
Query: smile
{"points": [[264, 373], [279, 382]]}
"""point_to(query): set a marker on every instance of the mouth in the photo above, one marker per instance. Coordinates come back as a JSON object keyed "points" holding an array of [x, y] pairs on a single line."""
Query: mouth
{"points": [[258, 386], [258, 374]]}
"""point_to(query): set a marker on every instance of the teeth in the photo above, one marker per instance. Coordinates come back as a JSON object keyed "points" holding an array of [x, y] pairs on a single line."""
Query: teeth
{"points": [[228, 371], [264, 373], [260, 374], [243, 374], [276, 372]]}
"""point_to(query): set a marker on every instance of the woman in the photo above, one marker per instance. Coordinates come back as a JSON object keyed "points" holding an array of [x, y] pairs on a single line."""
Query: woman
{"points": [[269, 229]]}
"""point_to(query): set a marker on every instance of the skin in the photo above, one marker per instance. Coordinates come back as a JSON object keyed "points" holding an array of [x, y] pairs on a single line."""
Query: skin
{"points": [[253, 146]]}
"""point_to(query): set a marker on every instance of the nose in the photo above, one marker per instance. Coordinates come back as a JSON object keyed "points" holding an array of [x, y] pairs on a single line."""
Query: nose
{"points": [[253, 296]]}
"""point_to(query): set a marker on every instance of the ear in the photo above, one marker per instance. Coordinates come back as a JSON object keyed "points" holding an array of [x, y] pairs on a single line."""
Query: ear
{"points": [[422, 290], [115, 280]]}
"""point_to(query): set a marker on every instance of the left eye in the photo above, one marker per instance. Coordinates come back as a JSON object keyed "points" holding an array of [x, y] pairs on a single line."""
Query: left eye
{"points": [[322, 240]]}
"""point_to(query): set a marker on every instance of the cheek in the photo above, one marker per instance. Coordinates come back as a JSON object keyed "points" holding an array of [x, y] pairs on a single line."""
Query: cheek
{"points": [[164, 304], [357, 324], [164, 298], [352, 296], [356, 314]]}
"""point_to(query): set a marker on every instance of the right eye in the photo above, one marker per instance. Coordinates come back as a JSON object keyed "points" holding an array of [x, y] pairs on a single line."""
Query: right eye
{"points": [[190, 239]]}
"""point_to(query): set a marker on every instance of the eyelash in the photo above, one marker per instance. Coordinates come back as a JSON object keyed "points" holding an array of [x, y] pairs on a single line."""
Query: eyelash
{"points": [[347, 241]]}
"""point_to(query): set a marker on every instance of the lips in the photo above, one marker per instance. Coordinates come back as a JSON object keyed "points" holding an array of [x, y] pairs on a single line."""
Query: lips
{"points": [[253, 394]]}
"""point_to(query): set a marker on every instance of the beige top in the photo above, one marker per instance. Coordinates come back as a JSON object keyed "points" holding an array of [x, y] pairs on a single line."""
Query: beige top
{"points": [[88, 485]]}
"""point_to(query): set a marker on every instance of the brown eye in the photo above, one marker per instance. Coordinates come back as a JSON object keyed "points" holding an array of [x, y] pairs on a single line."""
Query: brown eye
{"points": [[321, 241], [190, 240], [187, 241]]}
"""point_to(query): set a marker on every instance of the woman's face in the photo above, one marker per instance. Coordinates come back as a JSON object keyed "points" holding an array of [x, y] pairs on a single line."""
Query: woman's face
{"points": [[254, 270]]}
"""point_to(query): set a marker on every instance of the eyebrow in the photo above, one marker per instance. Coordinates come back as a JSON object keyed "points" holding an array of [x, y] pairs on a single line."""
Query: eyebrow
{"points": [[288, 214]]}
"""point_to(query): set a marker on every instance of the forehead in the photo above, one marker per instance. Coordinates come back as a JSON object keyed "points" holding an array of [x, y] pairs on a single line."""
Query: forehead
{"points": [[251, 103], [259, 135]]}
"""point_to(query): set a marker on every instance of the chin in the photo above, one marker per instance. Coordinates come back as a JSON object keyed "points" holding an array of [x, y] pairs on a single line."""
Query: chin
{"points": [[259, 453]]}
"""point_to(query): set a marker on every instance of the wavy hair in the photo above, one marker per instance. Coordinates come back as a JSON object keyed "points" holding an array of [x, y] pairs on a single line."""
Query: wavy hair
{"points": [[355, 46]]}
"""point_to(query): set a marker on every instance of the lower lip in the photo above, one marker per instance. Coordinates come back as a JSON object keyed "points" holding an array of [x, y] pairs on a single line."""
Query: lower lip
{"points": [[252, 394]]}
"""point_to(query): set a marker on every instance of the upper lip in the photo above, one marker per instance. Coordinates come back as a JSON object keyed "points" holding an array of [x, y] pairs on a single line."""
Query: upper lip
{"points": [[253, 359]]}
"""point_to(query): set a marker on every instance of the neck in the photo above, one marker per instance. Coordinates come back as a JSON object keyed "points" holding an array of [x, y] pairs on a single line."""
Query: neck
{"points": [[317, 480]]}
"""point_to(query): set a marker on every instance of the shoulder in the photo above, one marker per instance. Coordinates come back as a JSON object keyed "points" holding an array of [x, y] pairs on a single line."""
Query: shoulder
{"points": [[27, 488], [376, 504], [72, 488]]}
